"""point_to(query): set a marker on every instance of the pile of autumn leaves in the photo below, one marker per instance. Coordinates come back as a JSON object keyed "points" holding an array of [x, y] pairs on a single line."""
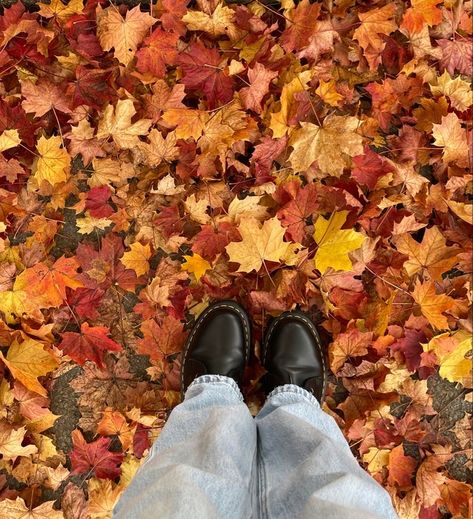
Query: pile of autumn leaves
{"points": [[151, 163]]}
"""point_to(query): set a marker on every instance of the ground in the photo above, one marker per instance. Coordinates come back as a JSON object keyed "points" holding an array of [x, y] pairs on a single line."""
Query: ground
{"points": [[309, 155]]}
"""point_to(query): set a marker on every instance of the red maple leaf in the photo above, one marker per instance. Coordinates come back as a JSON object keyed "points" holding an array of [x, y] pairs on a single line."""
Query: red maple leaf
{"points": [[172, 18], [85, 301], [212, 240], [202, 72], [302, 26], [159, 49], [96, 202], [266, 152], [94, 457], [294, 213], [410, 347], [90, 344], [369, 167], [91, 88]]}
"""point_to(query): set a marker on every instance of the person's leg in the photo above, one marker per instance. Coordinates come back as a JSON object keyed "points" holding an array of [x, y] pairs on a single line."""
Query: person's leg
{"points": [[202, 464], [305, 466]]}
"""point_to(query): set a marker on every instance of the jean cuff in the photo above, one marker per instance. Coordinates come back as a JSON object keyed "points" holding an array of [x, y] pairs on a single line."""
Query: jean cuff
{"points": [[295, 390], [217, 380]]}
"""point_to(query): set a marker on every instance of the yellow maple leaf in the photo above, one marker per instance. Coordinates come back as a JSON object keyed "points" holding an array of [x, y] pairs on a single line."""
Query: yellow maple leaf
{"points": [[375, 24], [189, 123], [123, 34], [54, 162], [280, 120], [332, 145], [9, 139], [463, 211], [159, 148], [18, 510], [10, 443], [27, 361], [116, 122], [452, 137], [137, 258], [196, 265], [455, 367], [334, 244], [220, 22], [376, 459], [103, 495], [327, 91], [17, 303], [431, 304], [431, 254], [457, 90], [59, 10], [259, 243], [114, 423]]}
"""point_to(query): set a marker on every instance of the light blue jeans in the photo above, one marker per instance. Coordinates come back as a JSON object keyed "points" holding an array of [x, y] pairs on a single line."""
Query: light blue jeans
{"points": [[213, 460]]}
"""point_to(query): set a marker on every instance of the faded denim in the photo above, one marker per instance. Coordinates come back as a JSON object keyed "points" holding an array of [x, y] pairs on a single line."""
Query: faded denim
{"points": [[213, 460]]}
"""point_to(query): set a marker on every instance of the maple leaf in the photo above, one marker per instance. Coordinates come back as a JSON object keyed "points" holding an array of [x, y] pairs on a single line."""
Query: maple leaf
{"points": [[431, 254], [369, 167], [27, 361], [211, 241], [9, 139], [159, 149], [334, 244], [431, 304], [114, 423], [48, 284], [17, 509], [452, 137], [59, 10], [54, 162], [331, 145], [428, 479], [122, 34], [219, 23], [456, 90], [422, 12], [401, 467], [189, 123], [94, 457], [347, 345], [161, 339], [456, 496], [454, 366], [328, 93], [294, 213], [302, 21], [202, 71], [90, 88], [280, 121], [158, 50], [82, 141], [260, 78], [137, 258], [457, 54], [90, 344], [259, 244], [116, 122], [42, 97], [196, 265], [11, 440], [375, 24]]}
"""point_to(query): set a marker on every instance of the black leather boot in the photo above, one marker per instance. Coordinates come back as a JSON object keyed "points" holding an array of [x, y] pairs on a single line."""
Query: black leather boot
{"points": [[218, 344], [292, 354]]}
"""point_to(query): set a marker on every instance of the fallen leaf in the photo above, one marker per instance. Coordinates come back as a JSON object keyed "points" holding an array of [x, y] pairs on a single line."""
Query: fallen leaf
{"points": [[334, 244], [27, 361], [122, 34], [259, 243]]}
